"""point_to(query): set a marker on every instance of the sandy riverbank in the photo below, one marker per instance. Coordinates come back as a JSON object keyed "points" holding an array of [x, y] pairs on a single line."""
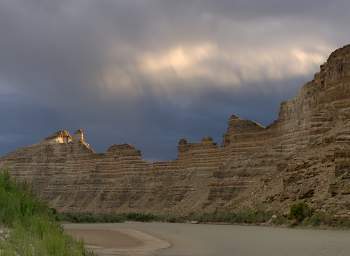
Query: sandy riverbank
{"points": [[110, 240]]}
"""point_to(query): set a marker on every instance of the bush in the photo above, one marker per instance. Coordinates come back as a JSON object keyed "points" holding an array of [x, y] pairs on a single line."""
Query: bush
{"points": [[300, 211]]}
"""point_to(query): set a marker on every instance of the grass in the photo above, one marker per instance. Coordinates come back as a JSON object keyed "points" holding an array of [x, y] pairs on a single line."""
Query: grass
{"points": [[34, 230]]}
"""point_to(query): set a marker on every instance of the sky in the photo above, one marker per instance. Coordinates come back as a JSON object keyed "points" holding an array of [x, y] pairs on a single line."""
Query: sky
{"points": [[149, 72]]}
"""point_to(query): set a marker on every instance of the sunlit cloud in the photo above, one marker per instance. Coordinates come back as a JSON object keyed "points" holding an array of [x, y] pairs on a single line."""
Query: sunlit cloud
{"points": [[231, 67], [227, 67], [273, 64], [179, 59]]}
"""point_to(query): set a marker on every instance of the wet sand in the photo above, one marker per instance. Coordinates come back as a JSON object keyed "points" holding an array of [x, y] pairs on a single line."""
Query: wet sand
{"points": [[105, 238], [112, 240], [222, 240]]}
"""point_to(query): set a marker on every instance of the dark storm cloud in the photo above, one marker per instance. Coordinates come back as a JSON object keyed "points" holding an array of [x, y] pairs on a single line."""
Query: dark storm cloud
{"points": [[148, 72]]}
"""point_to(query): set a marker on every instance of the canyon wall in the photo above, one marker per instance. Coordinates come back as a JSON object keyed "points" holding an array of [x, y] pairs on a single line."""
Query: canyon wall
{"points": [[303, 155]]}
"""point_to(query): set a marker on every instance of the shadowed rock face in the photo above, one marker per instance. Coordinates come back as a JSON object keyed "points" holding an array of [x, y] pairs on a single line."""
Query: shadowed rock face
{"points": [[304, 154]]}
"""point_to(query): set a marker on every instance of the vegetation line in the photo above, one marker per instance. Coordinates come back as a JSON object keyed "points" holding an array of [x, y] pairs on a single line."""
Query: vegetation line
{"points": [[300, 214]]}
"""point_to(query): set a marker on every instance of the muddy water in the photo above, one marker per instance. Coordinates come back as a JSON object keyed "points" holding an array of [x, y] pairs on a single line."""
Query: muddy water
{"points": [[228, 240]]}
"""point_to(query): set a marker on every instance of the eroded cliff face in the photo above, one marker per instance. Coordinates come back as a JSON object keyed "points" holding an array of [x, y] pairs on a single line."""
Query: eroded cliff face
{"points": [[303, 155]]}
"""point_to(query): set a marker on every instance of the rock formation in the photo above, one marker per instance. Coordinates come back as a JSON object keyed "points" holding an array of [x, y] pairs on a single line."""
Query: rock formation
{"points": [[303, 155]]}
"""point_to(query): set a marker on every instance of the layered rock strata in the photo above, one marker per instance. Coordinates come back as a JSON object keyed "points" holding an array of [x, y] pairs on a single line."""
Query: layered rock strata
{"points": [[303, 155]]}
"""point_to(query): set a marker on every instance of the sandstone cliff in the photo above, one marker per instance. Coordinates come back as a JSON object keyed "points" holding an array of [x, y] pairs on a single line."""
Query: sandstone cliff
{"points": [[303, 155]]}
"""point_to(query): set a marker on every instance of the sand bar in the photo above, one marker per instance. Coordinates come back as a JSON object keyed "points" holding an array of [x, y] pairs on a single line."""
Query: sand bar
{"points": [[111, 240]]}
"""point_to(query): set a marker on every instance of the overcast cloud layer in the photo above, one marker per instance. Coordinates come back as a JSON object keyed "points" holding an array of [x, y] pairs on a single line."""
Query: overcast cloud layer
{"points": [[148, 72]]}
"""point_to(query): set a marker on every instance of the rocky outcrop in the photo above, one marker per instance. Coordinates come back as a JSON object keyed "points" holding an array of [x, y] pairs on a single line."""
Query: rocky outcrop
{"points": [[303, 155]]}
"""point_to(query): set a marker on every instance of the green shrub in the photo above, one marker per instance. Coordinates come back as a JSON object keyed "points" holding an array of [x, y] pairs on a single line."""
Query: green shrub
{"points": [[300, 211]]}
